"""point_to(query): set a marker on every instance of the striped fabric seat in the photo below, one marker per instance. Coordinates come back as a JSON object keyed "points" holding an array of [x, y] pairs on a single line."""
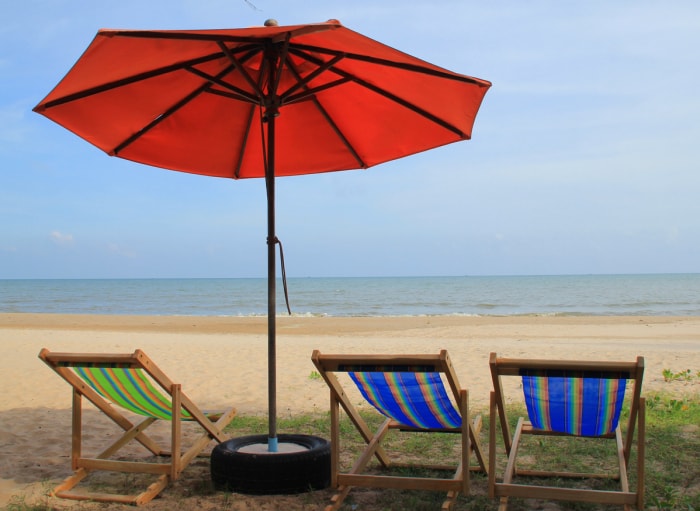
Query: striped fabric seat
{"points": [[416, 400], [131, 389], [573, 405]]}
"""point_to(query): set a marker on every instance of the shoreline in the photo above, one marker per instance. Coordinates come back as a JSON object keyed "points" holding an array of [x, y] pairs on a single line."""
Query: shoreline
{"points": [[258, 324]]}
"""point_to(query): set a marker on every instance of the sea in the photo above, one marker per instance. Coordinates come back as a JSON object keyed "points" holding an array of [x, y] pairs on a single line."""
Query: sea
{"points": [[560, 295]]}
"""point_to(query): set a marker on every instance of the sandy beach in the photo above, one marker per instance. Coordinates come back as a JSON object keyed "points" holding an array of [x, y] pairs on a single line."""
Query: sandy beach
{"points": [[223, 362]]}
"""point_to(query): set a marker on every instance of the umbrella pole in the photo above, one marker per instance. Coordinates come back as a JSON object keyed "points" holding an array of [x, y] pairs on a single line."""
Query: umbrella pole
{"points": [[271, 111], [271, 288]]}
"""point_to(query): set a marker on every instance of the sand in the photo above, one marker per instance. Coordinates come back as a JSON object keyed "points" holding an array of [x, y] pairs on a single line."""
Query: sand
{"points": [[223, 362]]}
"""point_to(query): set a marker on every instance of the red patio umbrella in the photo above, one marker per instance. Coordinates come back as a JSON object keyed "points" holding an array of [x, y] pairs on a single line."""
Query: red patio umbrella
{"points": [[260, 102]]}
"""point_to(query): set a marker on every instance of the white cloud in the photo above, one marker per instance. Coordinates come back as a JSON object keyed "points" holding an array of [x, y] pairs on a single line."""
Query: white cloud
{"points": [[61, 238]]}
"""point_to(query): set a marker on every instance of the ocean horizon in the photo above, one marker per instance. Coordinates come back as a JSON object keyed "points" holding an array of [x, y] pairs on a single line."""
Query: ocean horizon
{"points": [[554, 295]]}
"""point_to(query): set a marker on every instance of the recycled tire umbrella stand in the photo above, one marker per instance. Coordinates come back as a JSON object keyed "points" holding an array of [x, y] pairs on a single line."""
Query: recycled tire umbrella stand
{"points": [[186, 101]]}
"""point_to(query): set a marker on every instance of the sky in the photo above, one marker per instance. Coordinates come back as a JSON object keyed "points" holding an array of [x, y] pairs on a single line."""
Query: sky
{"points": [[584, 158]]}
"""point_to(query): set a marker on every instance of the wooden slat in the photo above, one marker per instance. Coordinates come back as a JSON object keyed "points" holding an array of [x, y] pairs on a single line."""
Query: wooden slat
{"points": [[567, 475], [399, 483], [334, 362], [55, 358], [98, 497], [553, 493], [141, 467], [514, 366]]}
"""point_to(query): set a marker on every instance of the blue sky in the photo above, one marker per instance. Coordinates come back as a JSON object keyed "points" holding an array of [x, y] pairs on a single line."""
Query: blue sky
{"points": [[585, 156]]}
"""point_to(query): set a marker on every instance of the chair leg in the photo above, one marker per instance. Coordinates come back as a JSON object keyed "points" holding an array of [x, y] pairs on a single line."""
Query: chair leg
{"points": [[510, 466], [76, 429], [641, 439], [338, 498], [152, 491], [492, 446], [176, 425], [466, 435], [476, 447], [360, 464], [335, 440], [69, 483], [453, 494]]}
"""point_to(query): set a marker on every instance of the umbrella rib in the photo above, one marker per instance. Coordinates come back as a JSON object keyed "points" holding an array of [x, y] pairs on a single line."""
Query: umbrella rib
{"points": [[307, 79], [390, 63], [382, 92], [437, 120], [237, 63], [179, 35], [301, 96], [237, 92], [126, 81], [246, 134], [360, 161], [231, 95], [329, 120], [189, 97], [282, 58], [249, 127]]}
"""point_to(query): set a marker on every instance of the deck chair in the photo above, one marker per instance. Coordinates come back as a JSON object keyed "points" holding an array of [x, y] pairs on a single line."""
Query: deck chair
{"points": [[409, 391], [572, 398], [134, 383]]}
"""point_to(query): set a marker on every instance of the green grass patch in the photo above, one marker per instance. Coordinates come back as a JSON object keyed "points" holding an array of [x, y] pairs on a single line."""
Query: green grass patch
{"points": [[672, 469]]}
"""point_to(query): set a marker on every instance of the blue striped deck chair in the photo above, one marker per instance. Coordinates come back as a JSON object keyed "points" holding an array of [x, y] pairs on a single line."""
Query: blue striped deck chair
{"points": [[414, 393], [581, 399], [131, 382]]}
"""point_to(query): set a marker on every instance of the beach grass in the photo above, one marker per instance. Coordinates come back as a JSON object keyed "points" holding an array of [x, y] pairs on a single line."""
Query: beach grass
{"points": [[672, 468]]}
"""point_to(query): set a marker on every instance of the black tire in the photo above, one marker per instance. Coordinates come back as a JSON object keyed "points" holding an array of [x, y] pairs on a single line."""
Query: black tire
{"points": [[273, 473]]}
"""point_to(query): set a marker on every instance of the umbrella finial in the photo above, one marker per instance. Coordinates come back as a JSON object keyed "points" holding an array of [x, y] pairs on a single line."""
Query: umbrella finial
{"points": [[271, 23]]}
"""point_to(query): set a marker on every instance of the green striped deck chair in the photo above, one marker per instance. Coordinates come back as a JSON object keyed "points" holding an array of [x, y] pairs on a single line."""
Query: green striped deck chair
{"points": [[131, 382], [576, 399], [413, 393]]}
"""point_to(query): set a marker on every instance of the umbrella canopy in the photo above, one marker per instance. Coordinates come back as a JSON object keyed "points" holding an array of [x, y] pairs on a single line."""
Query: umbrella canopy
{"points": [[260, 102]]}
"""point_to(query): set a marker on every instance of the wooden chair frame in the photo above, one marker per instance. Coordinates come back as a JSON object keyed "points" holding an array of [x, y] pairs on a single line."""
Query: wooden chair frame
{"points": [[631, 371], [62, 364], [329, 365]]}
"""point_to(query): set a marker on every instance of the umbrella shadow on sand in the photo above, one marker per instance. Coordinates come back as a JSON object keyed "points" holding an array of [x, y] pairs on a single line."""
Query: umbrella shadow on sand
{"points": [[35, 446]]}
